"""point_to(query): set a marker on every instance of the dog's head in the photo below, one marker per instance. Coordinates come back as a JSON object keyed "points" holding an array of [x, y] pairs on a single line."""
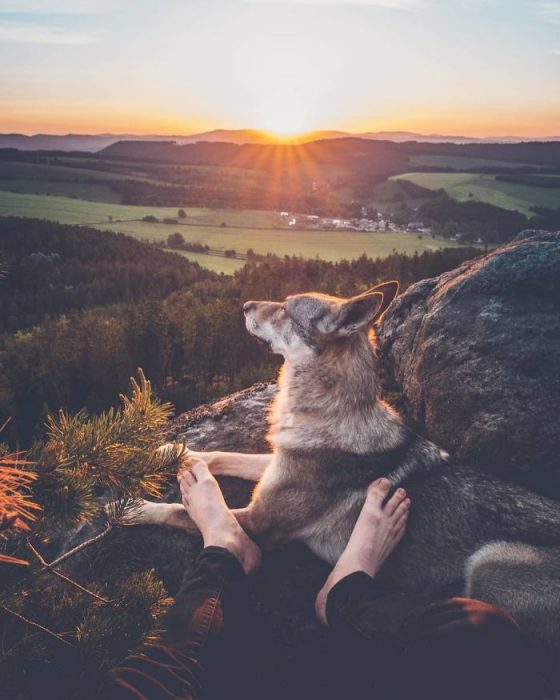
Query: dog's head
{"points": [[304, 324]]}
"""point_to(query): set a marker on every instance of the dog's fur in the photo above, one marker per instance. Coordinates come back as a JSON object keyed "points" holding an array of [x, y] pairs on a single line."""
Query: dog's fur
{"points": [[332, 436]]}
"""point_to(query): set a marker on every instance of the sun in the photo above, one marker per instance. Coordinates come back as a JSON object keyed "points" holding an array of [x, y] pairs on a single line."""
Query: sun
{"points": [[283, 117]]}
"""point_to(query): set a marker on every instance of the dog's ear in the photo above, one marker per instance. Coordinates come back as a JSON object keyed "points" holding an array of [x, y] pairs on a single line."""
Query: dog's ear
{"points": [[389, 291], [352, 315]]}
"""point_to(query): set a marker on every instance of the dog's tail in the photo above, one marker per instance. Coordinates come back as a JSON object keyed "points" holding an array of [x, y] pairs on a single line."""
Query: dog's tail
{"points": [[527, 516]]}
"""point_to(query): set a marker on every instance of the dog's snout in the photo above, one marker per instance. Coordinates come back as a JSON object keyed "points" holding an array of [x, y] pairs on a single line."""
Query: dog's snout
{"points": [[247, 306]]}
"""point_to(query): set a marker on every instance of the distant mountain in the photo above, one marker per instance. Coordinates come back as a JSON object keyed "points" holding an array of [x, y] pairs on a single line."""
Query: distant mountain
{"points": [[69, 142], [97, 142], [242, 136], [403, 136]]}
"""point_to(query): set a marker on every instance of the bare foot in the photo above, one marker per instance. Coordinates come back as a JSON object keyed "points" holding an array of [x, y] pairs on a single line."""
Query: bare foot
{"points": [[204, 502], [377, 532]]}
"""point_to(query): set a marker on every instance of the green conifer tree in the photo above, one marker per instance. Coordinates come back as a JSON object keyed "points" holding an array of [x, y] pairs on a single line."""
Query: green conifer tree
{"points": [[86, 476]]}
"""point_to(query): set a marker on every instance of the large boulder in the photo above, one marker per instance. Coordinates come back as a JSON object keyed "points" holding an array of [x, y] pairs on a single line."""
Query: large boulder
{"points": [[476, 354]]}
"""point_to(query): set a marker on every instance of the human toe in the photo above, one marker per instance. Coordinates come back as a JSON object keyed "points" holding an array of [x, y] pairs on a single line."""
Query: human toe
{"points": [[400, 519], [401, 509], [200, 470], [395, 501], [378, 490], [186, 481]]}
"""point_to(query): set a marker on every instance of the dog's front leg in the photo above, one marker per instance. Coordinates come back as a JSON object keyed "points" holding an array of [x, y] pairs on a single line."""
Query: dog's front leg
{"points": [[243, 466], [264, 530], [167, 514], [246, 518]]}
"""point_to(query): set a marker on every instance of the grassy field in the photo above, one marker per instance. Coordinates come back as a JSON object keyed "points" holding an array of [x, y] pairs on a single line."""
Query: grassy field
{"points": [[74, 211], [485, 188], [242, 230], [464, 162], [214, 262]]}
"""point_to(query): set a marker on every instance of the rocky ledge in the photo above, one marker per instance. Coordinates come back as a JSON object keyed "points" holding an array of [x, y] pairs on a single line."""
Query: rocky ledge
{"points": [[476, 354]]}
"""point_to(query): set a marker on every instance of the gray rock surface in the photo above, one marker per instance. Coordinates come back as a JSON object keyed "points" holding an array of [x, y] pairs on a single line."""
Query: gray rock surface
{"points": [[476, 354], [236, 423]]}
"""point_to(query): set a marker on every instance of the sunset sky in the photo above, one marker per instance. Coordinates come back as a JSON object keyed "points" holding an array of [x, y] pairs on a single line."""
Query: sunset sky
{"points": [[474, 67]]}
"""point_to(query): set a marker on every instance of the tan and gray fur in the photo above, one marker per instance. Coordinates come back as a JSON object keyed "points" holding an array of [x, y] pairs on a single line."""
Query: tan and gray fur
{"points": [[332, 435]]}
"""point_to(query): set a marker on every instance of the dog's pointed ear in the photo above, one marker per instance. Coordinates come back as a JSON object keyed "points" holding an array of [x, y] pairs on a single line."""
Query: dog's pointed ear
{"points": [[354, 314], [389, 291]]}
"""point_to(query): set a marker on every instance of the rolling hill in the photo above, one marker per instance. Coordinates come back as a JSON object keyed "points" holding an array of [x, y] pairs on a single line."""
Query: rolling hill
{"points": [[95, 142]]}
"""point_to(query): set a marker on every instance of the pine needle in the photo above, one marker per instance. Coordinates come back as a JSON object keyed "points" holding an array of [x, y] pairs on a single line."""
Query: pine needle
{"points": [[17, 509], [113, 454]]}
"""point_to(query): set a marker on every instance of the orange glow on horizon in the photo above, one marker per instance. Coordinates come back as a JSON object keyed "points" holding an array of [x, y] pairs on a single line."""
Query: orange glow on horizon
{"points": [[280, 126]]}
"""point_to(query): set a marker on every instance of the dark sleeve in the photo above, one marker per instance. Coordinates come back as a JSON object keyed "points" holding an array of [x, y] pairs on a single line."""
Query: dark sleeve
{"points": [[358, 606]]}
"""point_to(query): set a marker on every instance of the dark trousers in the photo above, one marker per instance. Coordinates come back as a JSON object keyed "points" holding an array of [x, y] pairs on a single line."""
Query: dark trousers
{"points": [[391, 645]]}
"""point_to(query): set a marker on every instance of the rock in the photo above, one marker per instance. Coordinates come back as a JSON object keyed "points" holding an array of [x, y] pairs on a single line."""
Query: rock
{"points": [[476, 353], [236, 423]]}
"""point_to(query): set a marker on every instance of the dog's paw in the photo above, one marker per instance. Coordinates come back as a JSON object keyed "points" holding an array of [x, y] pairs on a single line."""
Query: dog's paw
{"points": [[176, 453], [130, 513]]}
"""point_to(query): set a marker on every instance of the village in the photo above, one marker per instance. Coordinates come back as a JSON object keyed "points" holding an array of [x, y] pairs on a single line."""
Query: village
{"points": [[362, 224]]}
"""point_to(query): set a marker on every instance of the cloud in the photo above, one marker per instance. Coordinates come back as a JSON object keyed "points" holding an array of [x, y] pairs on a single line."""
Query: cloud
{"points": [[392, 4], [22, 33], [54, 7], [556, 52], [550, 11]]}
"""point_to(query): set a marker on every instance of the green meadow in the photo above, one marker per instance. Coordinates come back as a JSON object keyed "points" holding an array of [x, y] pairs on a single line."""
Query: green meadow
{"points": [[485, 188], [242, 230]]}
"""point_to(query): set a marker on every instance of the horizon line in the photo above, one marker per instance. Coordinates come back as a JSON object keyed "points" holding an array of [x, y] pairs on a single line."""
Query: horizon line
{"points": [[280, 137]]}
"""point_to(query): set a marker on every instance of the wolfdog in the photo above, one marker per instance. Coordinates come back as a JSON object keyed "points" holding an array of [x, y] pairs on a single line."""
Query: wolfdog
{"points": [[332, 435]]}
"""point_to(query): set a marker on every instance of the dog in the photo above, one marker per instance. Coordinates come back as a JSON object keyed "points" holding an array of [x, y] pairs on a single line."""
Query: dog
{"points": [[332, 435]]}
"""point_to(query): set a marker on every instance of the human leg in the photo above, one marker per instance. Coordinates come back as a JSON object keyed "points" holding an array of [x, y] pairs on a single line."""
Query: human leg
{"points": [[208, 634], [414, 644]]}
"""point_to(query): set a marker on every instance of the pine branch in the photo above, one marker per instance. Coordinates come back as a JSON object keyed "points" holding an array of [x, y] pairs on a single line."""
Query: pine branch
{"points": [[36, 625], [60, 575], [116, 451], [16, 506], [85, 463], [81, 547], [57, 562]]}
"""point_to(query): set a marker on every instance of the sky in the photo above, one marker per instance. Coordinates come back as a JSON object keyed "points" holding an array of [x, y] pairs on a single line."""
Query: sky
{"points": [[472, 67]]}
